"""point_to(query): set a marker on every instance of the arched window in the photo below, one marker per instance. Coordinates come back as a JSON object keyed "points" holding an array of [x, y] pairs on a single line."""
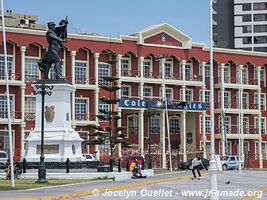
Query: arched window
{"points": [[154, 125]]}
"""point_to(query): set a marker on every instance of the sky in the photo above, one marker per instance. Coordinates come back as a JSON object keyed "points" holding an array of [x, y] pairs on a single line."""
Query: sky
{"points": [[120, 17]]}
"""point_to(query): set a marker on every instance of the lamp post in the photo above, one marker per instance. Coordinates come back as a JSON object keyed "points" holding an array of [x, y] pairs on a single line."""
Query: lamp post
{"points": [[42, 168]]}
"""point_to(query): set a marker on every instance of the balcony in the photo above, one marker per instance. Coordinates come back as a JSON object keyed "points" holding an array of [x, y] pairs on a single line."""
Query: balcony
{"points": [[12, 76], [14, 115], [81, 80], [155, 75], [85, 117], [193, 78], [173, 76], [251, 130], [130, 73]]}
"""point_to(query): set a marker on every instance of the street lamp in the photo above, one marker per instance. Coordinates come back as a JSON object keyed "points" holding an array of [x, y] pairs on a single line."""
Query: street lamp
{"points": [[42, 168]]}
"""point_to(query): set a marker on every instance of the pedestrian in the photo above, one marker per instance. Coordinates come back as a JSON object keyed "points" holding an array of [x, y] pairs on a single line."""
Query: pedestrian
{"points": [[196, 162], [7, 170]]}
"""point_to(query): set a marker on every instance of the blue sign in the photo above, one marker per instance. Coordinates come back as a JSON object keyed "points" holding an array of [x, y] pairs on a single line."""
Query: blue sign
{"points": [[177, 105]]}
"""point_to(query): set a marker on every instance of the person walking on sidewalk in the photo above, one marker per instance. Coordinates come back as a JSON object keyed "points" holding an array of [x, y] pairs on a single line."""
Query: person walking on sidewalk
{"points": [[196, 162]]}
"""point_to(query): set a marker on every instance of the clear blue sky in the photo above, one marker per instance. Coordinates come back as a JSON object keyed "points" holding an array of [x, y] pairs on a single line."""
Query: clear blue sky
{"points": [[114, 17]]}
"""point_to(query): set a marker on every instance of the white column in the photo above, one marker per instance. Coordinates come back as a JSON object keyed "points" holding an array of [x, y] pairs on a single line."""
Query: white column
{"points": [[222, 124], [203, 138], [162, 137], [73, 55], [22, 133], [222, 66], [183, 136], [183, 92], [119, 125], [242, 138], [141, 132], [23, 87], [141, 90], [22, 57], [96, 56], [141, 66], [183, 69], [203, 64], [260, 153], [118, 66]]}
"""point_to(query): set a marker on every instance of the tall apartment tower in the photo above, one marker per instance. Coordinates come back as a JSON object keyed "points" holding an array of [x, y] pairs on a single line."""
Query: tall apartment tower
{"points": [[240, 24]]}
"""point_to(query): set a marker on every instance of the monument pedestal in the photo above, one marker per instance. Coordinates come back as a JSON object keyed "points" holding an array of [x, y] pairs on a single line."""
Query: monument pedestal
{"points": [[60, 140]]}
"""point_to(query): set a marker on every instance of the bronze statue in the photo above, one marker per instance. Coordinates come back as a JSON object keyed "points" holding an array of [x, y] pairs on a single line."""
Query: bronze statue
{"points": [[55, 36]]}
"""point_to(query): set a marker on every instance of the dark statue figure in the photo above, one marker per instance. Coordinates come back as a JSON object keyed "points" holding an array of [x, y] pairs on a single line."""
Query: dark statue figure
{"points": [[56, 36]]}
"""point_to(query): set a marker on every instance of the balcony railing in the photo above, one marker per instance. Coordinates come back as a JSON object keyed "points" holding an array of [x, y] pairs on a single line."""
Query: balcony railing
{"points": [[13, 115], [172, 76], [84, 81], [156, 75], [234, 105], [193, 78], [12, 76], [130, 73], [84, 117], [234, 130]]}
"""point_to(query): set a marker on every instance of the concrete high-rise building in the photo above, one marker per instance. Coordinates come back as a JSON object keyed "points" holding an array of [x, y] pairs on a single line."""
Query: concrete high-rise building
{"points": [[240, 24]]}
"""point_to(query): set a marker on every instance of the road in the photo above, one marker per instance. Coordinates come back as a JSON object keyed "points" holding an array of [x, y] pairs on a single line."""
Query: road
{"points": [[168, 186]]}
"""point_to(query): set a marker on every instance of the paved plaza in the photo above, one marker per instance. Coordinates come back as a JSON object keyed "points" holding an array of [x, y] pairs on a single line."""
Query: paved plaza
{"points": [[169, 186]]}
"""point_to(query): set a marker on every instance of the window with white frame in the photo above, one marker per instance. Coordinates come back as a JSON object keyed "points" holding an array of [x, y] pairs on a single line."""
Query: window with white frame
{"points": [[147, 68], [103, 106], [262, 75], [226, 125], [53, 72], [154, 125], [245, 125], [31, 69], [245, 100], [226, 74], [245, 75], [227, 99], [30, 107], [168, 69], [262, 100], [207, 145], [188, 95], [188, 71], [125, 91], [3, 105], [147, 92], [174, 125], [207, 124], [229, 148], [132, 125], [207, 96], [103, 70], [169, 93], [80, 72], [125, 66], [263, 124], [263, 150], [4, 141], [2, 67], [81, 109]]}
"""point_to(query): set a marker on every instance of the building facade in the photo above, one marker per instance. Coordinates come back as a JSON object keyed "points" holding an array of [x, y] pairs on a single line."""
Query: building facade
{"points": [[146, 79], [240, 24]]}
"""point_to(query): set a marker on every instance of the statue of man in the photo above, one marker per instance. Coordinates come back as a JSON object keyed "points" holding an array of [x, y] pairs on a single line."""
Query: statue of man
{"points": [[55, 40]]}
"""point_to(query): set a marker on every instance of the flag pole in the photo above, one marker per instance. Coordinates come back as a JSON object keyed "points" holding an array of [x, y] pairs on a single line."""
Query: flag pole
{"points": [[8, 99], [213, 167]]}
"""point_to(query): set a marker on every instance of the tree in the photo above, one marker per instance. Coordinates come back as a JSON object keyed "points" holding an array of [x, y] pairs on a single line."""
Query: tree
{"points": [[110, 133]]}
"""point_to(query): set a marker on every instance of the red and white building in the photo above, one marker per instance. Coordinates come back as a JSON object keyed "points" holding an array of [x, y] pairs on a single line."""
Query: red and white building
{"points": [[183, 75]]}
